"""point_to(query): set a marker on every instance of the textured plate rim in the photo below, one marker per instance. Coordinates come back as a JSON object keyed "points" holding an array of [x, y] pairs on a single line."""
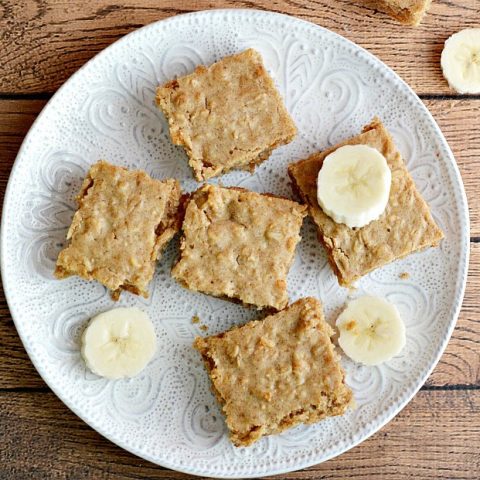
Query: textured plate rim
{"points": [[462, 204]]}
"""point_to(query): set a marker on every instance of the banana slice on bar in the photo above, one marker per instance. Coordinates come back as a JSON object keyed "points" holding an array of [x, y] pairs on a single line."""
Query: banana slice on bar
{"points": [[353, 185]]}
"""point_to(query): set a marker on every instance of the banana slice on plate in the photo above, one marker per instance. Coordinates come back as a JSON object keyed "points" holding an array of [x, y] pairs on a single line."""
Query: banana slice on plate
{"points": [[119, 343], [461, 61], [353, 185], [371, 330]]}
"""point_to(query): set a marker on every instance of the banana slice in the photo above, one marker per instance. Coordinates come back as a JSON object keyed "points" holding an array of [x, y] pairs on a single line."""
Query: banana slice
{"points": [[461, 61], [119, 343], [353, 185], [371, 330]]}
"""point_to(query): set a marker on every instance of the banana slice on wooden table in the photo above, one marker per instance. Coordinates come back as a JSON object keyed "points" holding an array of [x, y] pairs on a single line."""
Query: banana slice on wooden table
{"points": [[461, 61]]}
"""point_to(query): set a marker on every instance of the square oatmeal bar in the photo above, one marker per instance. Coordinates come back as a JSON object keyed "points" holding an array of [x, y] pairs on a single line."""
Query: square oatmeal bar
{"points": [[276, 373], [239, 244], [405, 226], [124, 220], [409, 12], [227, 116]]}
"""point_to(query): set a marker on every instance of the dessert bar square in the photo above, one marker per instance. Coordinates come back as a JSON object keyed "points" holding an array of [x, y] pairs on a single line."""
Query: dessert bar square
{"points": [[239, 244], [227, 116], [405, 226], [124, 220], [274, 374], [409, 12]]}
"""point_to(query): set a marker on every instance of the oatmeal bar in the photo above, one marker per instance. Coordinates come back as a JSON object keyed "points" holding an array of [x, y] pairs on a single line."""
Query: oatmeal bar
{"points": [[274, 374], [405, 226], [227, 116], [124, 220], [409, 12], [239, 244]]}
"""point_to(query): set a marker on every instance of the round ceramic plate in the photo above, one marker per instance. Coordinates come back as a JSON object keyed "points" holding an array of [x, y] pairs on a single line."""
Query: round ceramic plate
{"points": [[167, 414]]}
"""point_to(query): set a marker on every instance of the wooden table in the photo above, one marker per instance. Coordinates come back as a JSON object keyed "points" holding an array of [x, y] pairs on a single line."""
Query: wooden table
{"points": [[438, 434]]}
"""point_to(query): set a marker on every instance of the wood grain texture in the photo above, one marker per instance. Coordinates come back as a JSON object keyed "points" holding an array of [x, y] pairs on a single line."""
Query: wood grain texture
{"points": [[43, 42], [459, 365], [65, 447], [16, 117], [458, 119], [16, 369]]}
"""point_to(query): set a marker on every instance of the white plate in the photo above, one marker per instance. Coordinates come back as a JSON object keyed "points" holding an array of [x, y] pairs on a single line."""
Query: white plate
{"points": [[167, 414]]}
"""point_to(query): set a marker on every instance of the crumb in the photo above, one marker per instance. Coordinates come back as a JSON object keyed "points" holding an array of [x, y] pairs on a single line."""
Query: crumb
{"points": [[404, 275], [204, 328], [352, 289], [195, 319]]}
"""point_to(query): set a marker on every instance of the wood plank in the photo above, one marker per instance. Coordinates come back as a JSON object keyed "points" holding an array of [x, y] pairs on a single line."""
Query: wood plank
{"points": [[16, 117], [16, 369], [434, 437], [43, 43], [458, 120], [459, 365]]}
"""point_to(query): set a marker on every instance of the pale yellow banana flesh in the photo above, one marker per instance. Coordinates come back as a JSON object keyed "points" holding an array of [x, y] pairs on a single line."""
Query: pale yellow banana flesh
{"points": [[461, 61], [371, 330], [353, 185], [118, 343]]}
